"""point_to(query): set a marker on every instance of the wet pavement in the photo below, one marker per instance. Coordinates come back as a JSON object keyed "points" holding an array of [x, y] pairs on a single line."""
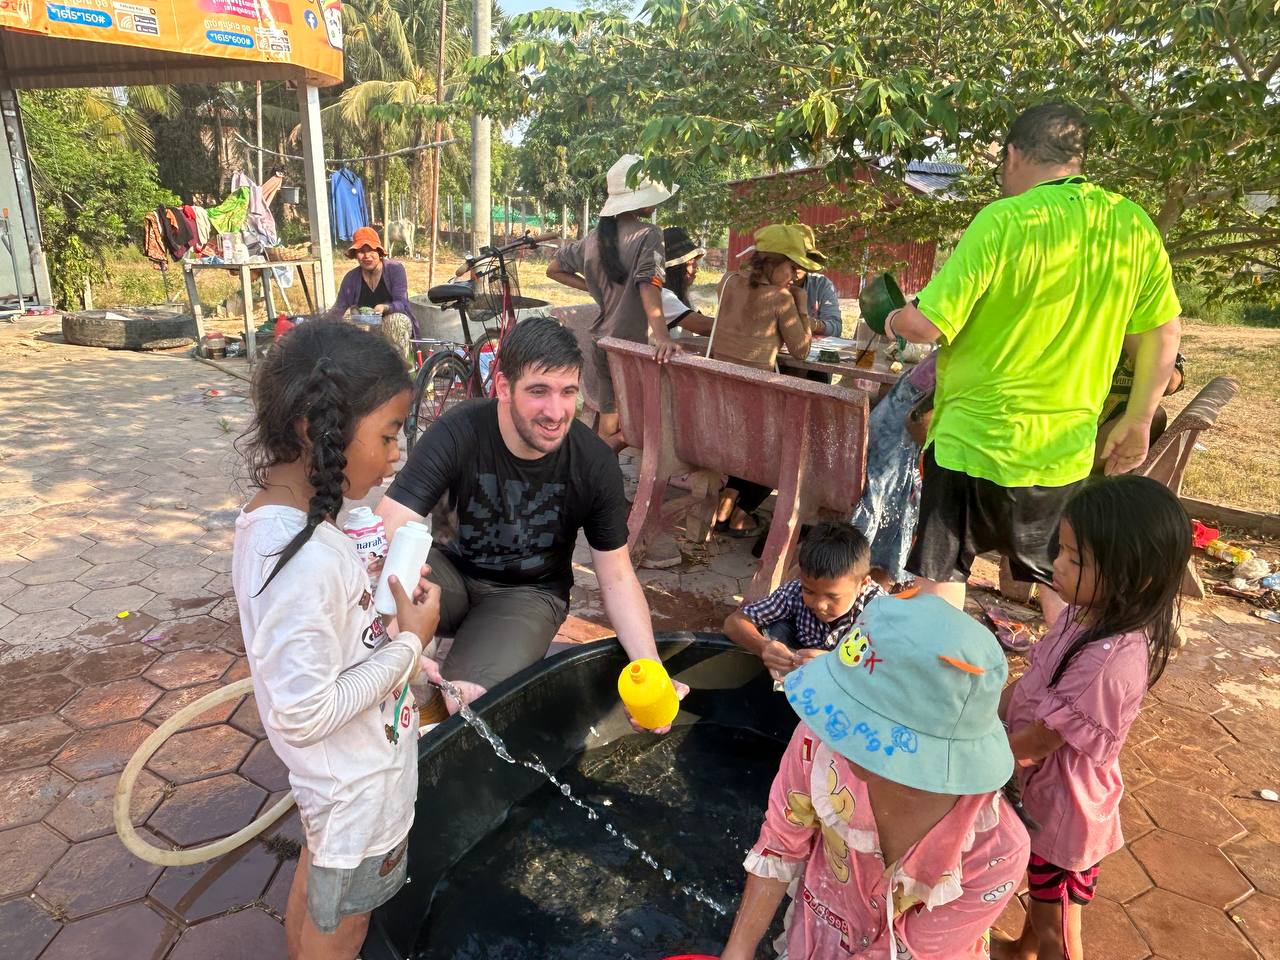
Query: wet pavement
{"points": [[118, 495]]}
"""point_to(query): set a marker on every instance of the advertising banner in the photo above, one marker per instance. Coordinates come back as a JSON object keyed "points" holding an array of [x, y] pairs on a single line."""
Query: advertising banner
{"points": [[306, 33]]}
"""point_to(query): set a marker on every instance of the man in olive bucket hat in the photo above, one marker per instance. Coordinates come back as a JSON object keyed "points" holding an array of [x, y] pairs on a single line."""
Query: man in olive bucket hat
{"points": [[886, 822]]}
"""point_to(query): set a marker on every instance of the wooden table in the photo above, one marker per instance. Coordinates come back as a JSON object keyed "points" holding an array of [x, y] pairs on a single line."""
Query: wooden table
{"points": [[246, 271]]}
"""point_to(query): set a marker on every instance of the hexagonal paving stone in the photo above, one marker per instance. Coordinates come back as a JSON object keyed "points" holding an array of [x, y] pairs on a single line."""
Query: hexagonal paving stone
{"points": [[51, 571], [109, 602], [247, 718], [46, 596], [227, 611], [276, 899], [25, 854], [27, 795], [112, 702], [1250, 725], [1259, 860], [1254, 762], [27, 743], [207, 809], [134, 930], [186, 668], [189, 633], [197, 754], [35, 695], [113, 663], [86, 812], [205, 890], [1182, 929], [175, 700], [1109, 933], [177, 556], [264, 768], [1188, 766], [1191, 868], [94, 875], [39, 627], [175, 579], [1188, 692], [1188, 812], [217, 562], [184, 603], [247, 935], [96, 753], [46, 548], [36, 659], [1260, 921], [171, 532], [104, 576], [1178, 725], [97, 634], [25, 928], [9, 586], [1122, 877], [108, 550]]}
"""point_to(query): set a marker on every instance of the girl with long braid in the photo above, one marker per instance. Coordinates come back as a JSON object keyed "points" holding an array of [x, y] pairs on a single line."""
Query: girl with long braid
{"points": [[329, 401]]}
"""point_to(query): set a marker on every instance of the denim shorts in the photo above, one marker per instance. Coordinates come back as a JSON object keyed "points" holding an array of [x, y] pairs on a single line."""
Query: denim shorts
{"points": [[337, 892]]}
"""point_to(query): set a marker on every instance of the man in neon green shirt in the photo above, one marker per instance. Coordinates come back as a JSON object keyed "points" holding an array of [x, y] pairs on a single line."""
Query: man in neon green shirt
{"points": [[1032, 309]]}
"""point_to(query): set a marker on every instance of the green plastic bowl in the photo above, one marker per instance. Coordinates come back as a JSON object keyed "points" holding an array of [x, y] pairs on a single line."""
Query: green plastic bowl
{"points": [[878, 299]]}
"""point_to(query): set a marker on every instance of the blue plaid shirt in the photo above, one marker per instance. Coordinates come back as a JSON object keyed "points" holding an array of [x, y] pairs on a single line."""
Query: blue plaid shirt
{"points": [[785, 603]]}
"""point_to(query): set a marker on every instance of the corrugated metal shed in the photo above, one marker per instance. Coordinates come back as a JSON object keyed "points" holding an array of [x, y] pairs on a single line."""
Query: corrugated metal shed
{"points": [[917, 257]]}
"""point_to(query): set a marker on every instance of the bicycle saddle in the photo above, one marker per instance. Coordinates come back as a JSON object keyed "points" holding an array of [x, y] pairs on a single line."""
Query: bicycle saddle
{"points": [[449, 292]]}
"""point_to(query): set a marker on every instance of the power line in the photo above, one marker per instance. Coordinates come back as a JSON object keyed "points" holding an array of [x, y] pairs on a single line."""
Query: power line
{"points": [[336, 161]]}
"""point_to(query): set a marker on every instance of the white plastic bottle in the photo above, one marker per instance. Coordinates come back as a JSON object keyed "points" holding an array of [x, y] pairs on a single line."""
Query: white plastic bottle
{"points": [[367, 530], [409, 548]]}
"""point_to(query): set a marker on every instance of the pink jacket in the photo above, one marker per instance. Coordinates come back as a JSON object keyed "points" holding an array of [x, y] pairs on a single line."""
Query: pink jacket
{"points": [[937, 903], [1074, 793]]}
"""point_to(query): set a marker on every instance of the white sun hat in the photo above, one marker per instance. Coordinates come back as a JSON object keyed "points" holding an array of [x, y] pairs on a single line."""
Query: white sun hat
{"points": [[623, 198]]}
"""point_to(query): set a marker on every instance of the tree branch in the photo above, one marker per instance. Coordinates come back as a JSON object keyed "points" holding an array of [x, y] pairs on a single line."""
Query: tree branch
{"points": [[1219, 250], [1241, 58]]}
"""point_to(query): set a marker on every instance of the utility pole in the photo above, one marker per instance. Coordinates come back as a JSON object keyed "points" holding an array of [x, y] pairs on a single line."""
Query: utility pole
{"points": [[259, 104], [481, 131], [435, 155]]}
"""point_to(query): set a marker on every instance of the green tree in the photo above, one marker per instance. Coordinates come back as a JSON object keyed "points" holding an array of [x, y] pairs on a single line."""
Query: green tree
{"points": [[93, 185], [1184, 98]]}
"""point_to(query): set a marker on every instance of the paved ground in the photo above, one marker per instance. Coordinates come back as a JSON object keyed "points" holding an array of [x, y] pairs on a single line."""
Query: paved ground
{"points": [[117, 495]]}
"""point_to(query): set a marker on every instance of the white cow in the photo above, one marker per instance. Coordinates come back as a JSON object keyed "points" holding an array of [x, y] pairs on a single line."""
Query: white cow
{"points": [[400, 231]]}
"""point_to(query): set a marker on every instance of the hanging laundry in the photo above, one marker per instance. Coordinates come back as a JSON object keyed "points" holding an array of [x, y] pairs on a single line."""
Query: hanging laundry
{"points": [[229, 216], [189, 217], [347, 205], [204, 229], [173, 225], [153, 245], [260, 226]]}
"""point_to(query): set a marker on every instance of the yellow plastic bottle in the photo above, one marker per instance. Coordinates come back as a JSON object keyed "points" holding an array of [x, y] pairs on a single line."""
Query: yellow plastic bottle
{"points": [[648, 693]]}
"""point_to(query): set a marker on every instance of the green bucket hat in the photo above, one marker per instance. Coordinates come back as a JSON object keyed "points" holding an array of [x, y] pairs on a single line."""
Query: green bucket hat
{"points": [[911, 693]]}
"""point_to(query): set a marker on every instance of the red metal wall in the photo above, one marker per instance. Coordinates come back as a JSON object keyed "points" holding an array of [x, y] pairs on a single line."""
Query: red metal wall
{"points": [[917, 256]]}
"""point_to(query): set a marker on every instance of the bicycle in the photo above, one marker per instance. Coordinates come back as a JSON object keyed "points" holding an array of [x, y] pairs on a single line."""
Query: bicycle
{"points": [[454, 372]]}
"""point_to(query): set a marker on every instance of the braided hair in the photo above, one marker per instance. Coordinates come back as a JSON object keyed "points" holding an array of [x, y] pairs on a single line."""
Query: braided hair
{"points": [[327, 376]]}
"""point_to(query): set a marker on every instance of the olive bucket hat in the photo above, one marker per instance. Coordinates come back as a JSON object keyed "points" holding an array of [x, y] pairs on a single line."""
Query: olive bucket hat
{"points": [[911, 693]]}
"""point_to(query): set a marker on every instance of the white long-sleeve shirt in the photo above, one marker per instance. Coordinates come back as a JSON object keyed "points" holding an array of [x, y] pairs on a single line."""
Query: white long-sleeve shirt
{"points": [[326, 680]]}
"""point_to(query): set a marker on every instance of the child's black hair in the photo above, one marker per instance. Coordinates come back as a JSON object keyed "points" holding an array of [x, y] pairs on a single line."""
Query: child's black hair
{"points": [[328, 375], [1139, 538], [835, 548]]}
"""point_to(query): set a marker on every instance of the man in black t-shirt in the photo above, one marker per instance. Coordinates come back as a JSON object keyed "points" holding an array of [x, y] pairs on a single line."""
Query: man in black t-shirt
{"points": [[523, 476]]}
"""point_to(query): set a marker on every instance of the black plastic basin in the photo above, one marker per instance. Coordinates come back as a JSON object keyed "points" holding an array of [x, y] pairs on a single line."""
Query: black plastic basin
{"points": [[558, 709]]}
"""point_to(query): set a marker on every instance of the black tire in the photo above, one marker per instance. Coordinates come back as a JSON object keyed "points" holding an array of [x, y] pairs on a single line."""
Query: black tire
{"points": [[442, 384], [146, 329]]}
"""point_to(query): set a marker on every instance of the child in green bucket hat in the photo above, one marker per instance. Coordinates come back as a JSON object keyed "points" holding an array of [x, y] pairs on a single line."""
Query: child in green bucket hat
{"points": [[886, 821]]}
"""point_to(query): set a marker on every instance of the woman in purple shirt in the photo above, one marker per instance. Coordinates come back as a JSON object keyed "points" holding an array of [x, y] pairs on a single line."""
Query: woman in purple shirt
{"points": [[376, 291]]}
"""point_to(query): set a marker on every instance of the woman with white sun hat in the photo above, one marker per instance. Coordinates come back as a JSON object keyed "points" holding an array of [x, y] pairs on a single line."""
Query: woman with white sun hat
{"points": [[621, 263]]}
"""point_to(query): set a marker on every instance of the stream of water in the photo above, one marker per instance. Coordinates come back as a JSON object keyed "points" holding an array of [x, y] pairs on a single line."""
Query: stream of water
{"points": [[539, 887]]}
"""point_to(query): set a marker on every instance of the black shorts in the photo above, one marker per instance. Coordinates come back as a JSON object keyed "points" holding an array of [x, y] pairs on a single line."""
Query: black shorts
{"points": [[962, 516]]}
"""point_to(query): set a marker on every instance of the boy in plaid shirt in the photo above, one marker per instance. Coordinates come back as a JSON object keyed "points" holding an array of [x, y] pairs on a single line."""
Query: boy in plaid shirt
{"points": [[805, 618]]}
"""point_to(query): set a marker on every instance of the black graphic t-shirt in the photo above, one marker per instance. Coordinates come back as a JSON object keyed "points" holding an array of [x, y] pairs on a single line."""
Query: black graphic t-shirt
{"points": [[518, 519]]}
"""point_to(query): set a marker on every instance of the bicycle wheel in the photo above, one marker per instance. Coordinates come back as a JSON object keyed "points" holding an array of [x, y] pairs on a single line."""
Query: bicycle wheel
{"points": [[486, 353], [441, 385]]}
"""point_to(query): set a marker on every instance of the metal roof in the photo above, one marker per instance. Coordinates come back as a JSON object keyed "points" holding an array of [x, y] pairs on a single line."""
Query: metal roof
{"points": [[929, 177]]}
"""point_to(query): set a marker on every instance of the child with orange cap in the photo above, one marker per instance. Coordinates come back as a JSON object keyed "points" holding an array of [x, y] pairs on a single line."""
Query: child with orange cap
{"points": [[886, 821]]}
